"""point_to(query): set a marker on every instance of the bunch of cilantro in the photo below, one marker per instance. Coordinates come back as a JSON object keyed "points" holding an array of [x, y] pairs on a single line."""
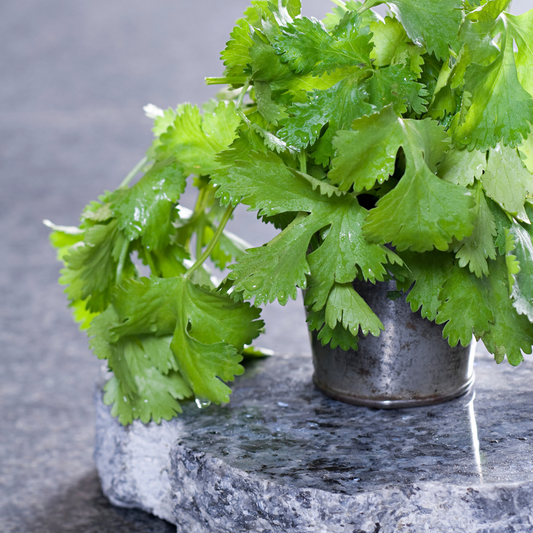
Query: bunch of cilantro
{"points": [[396, 148]]}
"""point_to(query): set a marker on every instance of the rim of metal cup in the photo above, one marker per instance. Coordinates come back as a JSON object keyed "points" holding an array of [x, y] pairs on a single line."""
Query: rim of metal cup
{"points": [[394, 404]]}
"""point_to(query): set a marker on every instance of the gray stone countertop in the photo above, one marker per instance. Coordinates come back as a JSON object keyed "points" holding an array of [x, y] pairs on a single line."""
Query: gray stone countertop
{"points": [[283, 457]]}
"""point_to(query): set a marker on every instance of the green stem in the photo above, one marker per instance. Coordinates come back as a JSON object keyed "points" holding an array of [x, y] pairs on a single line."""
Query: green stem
{"points": [[122, 260], [303, 161], [369, 5], [200, 206], [245, 88], [200, 238], [230, 80], [240, 112], [150, 261], [340, 4], [133, 173], [299, 217], [199, 210], [214, 241]]}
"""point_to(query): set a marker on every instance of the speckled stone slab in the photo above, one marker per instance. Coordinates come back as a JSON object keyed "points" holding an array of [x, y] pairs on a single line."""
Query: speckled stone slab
{"points": [[283, 458]]}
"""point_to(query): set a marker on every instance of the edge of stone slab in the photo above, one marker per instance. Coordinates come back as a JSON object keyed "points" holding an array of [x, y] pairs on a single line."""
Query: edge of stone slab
{"points": [[210, 496], [133, 462], [144, 467]]}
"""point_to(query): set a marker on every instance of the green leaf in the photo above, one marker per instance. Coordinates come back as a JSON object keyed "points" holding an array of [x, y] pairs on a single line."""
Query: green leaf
{"points": [[465, 307], [392, 46], [521, 28], [346, 307], [160, 392], [309, 49], [475, 249], [336, 107], [299, 85], [462, 167], [145, 209], [206, 366], [164, 121], [208, 330], [337, 337], [526, 153], [273, 271], [165, 262], [401, 219], [334, 260], [479, 33], [145, 384], [482, 306], [513, 266], [444, 105], [194, 140], [395, 85], [276, 270], [157, 350], [503, 224], [270, 110], [267, 65], [97, 212], [252, 353], [498, 109], [367, 153], [265, 183], [281, 12], [427, 273], [506, 180], [387, 36], [522, 287], [155, 394], [91, 266], [82, 316], [433, 23], [332, 20], [263, 8], [63, 237], [422, 212], [211, 330], [236, 55], [214, 317]]}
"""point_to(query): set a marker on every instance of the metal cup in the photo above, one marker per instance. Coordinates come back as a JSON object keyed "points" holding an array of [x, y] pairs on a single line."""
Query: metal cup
{"points": [[408, 365]]}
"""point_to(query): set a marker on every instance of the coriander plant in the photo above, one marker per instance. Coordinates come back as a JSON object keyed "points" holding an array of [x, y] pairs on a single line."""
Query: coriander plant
{"points": [[381, 149]]}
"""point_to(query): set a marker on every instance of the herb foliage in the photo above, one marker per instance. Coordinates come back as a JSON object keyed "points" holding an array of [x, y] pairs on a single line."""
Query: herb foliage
{"points": [[396, 148]]}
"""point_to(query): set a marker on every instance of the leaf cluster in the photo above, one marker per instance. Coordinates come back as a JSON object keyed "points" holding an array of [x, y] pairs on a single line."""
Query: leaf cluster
{"points": [[411, 160], [381, 149], [176, 334]]}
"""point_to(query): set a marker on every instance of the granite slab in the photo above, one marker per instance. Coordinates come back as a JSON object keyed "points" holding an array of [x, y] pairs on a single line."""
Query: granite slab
{"points": [[281, 457]]}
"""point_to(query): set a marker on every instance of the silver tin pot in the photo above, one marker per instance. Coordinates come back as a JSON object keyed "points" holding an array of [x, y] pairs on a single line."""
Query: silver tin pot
{"points": [[408, 365]]}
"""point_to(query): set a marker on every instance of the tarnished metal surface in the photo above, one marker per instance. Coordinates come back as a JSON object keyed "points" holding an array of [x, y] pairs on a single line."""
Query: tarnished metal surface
{"points": [[408, 365]]}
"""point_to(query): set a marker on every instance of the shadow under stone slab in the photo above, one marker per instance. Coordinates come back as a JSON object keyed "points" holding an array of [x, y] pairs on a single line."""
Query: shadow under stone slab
{"points": [[83, 508]]}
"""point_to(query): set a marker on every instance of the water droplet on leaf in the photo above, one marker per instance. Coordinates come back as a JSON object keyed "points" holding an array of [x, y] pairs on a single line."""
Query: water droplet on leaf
{"points": [[202, 404], [253, 284]]}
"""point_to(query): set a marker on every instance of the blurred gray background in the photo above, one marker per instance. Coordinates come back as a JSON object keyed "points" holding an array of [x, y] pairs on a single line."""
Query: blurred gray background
{"points": [[74, 77]]}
